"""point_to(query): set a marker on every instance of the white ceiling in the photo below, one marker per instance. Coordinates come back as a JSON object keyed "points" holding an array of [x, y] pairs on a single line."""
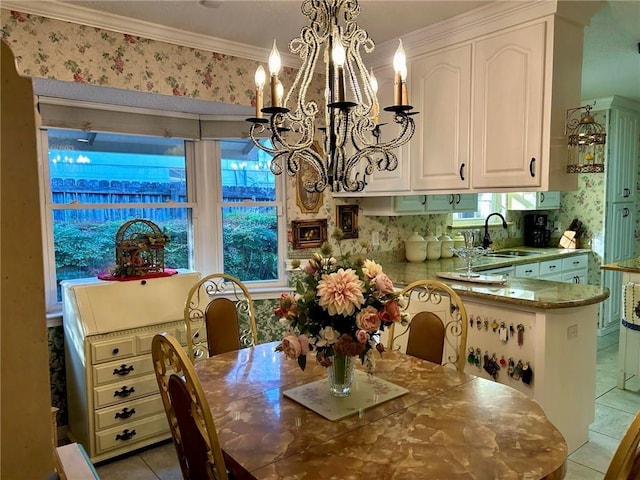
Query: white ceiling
{"points": [[611, 56]]}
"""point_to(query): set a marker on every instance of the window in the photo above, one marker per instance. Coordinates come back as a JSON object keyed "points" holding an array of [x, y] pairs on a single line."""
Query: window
{"points": [[250, 211], [96, 182], [487, 203], [218, 201]]}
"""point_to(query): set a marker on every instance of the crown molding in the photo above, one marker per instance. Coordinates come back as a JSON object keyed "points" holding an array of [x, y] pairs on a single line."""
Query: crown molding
{"points": [[463, 27], [107, 21]]}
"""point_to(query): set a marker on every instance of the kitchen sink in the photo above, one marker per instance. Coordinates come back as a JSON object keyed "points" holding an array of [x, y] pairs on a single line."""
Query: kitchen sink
{"points": [[512, 253]]}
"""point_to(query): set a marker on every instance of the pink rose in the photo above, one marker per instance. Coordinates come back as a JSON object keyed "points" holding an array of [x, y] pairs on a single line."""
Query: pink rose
{"points": [[362, 336], [310, 268], [368, 319], [383, 283], [391, 312], [304, 344], [291, 346], [287, 305]]}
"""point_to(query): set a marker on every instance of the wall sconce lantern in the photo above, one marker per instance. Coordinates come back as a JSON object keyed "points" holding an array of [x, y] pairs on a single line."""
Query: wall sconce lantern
{"points": [[586, 140]]}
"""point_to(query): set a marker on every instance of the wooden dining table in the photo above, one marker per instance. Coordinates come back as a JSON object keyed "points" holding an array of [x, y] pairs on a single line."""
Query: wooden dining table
{"points": [[448, 425]]}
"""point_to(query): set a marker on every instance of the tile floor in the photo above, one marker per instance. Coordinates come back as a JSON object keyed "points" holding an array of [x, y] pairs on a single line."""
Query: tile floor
{"points": [[614, 411]]}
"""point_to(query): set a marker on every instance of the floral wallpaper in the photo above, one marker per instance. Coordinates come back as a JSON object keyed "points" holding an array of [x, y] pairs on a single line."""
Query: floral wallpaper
{"points": [[65, 51]]}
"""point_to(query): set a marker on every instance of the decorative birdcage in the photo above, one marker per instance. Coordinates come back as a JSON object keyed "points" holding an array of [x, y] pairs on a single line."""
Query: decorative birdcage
{"points": [[139, 249]]}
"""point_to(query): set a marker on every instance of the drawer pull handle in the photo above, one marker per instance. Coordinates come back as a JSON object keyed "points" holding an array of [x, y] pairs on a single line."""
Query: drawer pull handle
{"points": [[531, 167], [123, 370], [125, 413], [528, 271], [576, 263], [115, 351], [124, 392], [126, 435]]}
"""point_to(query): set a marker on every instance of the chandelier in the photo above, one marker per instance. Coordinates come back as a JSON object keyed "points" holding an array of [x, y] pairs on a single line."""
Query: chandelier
{"points": [[586, 141], [348, 125]]}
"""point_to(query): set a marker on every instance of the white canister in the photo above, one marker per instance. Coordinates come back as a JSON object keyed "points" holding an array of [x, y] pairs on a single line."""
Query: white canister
{"points": [[458, 241], [433, 247], [415, 248], [446, 244]]}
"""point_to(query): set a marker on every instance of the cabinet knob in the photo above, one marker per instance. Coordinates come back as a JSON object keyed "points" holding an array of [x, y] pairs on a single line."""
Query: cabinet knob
{"points": [[532, 163], [115, 351]]}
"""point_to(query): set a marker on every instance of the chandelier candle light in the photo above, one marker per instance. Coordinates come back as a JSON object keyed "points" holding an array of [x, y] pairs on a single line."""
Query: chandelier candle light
{"points": [[352, 135]]}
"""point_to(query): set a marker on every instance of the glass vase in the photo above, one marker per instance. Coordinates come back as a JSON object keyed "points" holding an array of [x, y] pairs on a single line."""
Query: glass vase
{"points": [[340, 375]]}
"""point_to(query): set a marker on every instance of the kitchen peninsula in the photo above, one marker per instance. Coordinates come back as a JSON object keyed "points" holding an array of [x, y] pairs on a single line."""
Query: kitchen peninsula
{"points": [[554, 327]]}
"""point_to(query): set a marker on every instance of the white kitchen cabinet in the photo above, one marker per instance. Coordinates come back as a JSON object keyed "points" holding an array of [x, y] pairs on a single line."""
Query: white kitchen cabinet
{"points": [[492, 96], [397, 181], [619, 245], [527, 270], [508, 86], [570, 269], [441, 87], [621, 160], [505, 271], [113, 399], [452, 202], [533, 201], [575, 269], [418, 204], [550, 270]]}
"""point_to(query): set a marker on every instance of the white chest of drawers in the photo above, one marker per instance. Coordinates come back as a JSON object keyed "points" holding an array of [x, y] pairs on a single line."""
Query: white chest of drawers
{"points": [[113, 400]]}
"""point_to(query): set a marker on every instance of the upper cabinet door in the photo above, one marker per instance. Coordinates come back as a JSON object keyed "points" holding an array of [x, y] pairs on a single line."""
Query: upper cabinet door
{"points": [[508, 94], [395, 181], [441, 92], [622, 139]]}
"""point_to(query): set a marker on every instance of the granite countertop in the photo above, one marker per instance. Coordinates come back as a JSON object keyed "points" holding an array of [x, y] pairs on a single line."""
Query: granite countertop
{"points": [[543, 294], [630, 265]]}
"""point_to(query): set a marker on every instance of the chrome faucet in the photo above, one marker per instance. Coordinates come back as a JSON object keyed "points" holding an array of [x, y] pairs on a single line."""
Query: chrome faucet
{"points": [[486, 241]]}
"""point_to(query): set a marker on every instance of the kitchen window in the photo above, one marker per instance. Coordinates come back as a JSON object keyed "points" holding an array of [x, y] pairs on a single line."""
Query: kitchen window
{"points": [[216, 199], [487, 204]]}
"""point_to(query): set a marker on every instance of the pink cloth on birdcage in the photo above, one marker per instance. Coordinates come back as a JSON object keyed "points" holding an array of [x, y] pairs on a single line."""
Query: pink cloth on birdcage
{"points": [[110, 277]]}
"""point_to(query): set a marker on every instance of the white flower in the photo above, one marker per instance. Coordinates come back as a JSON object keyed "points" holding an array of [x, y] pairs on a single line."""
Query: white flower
{"points": [[371, 269], [328, 336]]}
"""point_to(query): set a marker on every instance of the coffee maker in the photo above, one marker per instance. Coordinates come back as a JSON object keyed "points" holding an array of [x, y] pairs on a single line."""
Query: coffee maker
{"points": [[536, 233]]}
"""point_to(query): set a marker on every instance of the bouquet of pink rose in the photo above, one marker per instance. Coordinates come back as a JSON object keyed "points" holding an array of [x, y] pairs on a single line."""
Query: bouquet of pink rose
{"points": [[339, 307]]}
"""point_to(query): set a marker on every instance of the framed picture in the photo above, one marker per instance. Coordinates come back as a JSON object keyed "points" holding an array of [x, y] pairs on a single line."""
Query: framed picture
{"points": [[309, 233], [347, 220], [308, 202]]}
